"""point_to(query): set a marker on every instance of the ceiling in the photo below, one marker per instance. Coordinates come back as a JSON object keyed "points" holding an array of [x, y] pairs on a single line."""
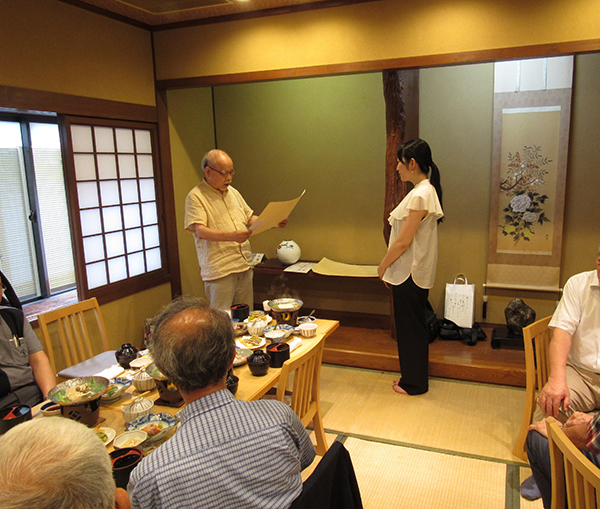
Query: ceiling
{"points": [[163, 14]]}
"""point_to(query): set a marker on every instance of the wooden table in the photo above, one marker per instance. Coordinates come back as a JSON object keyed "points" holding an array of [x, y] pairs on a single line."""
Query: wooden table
{"points": [[250, 387]]}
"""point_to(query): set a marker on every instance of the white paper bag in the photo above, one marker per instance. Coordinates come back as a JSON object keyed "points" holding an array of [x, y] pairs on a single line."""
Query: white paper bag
{"points": [[460, 302]]}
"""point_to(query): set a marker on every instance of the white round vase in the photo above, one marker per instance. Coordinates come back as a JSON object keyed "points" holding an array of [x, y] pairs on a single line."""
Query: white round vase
{"points": [[288, 252]]}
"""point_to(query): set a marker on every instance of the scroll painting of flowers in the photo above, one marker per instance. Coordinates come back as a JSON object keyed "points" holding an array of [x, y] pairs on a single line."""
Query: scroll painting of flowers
{"points": [[523, 180], [528, 181]]}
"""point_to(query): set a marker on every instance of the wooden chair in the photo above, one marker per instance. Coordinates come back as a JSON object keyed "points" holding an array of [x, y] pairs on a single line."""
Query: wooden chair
{"points": [[536, 338], [571, 472], [306, 400], [68, 339]]}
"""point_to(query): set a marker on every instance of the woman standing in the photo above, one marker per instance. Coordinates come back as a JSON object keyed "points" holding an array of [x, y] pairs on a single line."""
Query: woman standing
{"points": [[409, 264]]}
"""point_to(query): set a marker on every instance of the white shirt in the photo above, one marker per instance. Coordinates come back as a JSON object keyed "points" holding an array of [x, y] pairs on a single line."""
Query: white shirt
{"points": [[578, 314], [420, 257]]}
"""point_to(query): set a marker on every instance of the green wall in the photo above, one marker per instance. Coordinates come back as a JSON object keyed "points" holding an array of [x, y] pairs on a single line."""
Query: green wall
{"points": [[327, 135]]}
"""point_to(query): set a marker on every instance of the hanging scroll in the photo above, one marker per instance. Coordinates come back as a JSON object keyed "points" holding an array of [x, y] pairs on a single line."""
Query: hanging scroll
{"points": [[530, 147]]}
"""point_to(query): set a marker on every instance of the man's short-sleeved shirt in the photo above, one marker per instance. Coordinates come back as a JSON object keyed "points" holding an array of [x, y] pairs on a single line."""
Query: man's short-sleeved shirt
{"points": [[226, 454], [223, 211], [578, 314], [14, 356]]}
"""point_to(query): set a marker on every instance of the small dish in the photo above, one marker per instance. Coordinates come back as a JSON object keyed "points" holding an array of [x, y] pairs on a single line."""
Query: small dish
{"points": [[116, 388], [239, 329], [141, 362], [288, 329], [241, 356], [133, 438], [157, 426], [306, 319], [275, 335], [50, 409], [249, 342], [257, 327], [106, 435]]}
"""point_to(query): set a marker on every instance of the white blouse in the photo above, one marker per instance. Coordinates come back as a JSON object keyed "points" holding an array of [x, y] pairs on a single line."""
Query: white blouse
{"points": [[420, 257]]}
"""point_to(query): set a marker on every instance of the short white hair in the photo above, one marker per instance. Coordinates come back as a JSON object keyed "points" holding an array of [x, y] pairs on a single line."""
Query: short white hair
{"points": [[54, 463]]}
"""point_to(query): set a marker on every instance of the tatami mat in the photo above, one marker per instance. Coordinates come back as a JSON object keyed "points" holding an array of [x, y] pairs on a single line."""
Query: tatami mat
{"points": [[411, 478], [449, 448], [474, 419]]}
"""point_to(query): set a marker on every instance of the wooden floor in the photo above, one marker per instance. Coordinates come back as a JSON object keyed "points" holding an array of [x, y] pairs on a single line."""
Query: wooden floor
{"points": [[375, 349]]}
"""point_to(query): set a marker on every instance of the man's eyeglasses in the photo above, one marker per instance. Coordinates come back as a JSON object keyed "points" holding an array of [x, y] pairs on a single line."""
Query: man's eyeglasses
{"points": [[224, 173]]}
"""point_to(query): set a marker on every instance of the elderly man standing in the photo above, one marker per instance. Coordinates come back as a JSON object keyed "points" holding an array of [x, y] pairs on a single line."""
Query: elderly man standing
{"points": [[220, 219], [226, 453], [56, 463]]}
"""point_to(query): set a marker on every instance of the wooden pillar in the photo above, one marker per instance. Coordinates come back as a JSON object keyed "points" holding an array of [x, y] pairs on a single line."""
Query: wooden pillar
{"points": [[401, 94]]}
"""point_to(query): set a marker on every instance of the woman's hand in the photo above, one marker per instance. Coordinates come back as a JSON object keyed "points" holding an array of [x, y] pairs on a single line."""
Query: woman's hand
{"points": [[380, 273]]}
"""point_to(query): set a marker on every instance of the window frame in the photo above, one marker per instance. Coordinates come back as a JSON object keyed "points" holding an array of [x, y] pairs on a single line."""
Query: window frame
{"points": [[129, 285]]}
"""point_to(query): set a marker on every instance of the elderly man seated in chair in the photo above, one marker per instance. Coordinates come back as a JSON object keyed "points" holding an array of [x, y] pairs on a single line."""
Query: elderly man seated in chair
{"points": [[574, 381], [25, 372], [582, 429], [56, 463], [226, 453]]}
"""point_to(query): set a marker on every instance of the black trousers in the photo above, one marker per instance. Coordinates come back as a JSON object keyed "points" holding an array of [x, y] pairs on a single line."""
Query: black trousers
{"points": [[410, 304]]}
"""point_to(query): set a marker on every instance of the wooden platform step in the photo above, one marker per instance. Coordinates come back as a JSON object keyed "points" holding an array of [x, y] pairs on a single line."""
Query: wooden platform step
{"points": [[375, 349]]}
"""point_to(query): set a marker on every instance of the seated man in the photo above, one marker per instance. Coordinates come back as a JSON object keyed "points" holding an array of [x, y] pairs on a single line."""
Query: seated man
{"points": [[584, 432], [25, 372], [57, 463], [574, 381], [226, 453]]}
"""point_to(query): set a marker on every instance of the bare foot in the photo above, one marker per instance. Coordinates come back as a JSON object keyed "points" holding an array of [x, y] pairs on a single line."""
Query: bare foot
{"points": [[395, 382], [399, 390]]}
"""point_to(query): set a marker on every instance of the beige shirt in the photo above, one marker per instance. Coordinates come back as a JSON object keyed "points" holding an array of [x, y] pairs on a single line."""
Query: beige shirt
{"points": [[420, 257], [224, 211]]}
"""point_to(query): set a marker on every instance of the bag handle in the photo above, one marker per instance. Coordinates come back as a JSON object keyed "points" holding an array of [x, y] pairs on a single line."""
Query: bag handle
{"points": [[461, 276]]}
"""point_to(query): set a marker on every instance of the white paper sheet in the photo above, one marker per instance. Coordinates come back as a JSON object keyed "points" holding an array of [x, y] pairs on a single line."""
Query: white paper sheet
{"points": [[274, 213], [300, 267]]}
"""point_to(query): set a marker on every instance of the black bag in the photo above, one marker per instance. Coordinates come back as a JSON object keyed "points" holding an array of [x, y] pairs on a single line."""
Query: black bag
{"points": [[433, 327], [450, 331]]}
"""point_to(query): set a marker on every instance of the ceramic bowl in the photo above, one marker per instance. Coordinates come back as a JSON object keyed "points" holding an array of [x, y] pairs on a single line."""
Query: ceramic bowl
{"points": [[233, 382], [50, 409], [137, 408], [306, 319], [157, 426], [275, 335], [308, 330], [142, 381], [132, 438], [257, 328]]}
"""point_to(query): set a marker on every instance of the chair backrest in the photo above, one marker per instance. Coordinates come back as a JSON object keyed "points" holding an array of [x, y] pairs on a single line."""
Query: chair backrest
{"points": [[571, 472], [70, 333], [536, 339]]}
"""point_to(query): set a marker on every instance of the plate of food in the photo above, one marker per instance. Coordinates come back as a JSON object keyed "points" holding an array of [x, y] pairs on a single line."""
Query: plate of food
{"points": [[241, 356], [251, 342], [258, 316], [288, 329], [116, 388], [156, 425], [240, 328], [78, 390], [106, 435]]}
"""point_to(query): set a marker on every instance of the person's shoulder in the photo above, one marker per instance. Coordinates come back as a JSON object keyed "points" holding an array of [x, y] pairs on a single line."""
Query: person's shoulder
{"points": [[270, 408], [581, 278]]}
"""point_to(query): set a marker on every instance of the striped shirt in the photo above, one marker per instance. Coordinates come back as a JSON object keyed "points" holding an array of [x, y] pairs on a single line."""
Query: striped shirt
{"points": [[226, 454]]}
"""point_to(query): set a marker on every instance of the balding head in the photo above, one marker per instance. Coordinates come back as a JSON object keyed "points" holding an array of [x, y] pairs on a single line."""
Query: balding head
{"points": [[192, 344]]}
